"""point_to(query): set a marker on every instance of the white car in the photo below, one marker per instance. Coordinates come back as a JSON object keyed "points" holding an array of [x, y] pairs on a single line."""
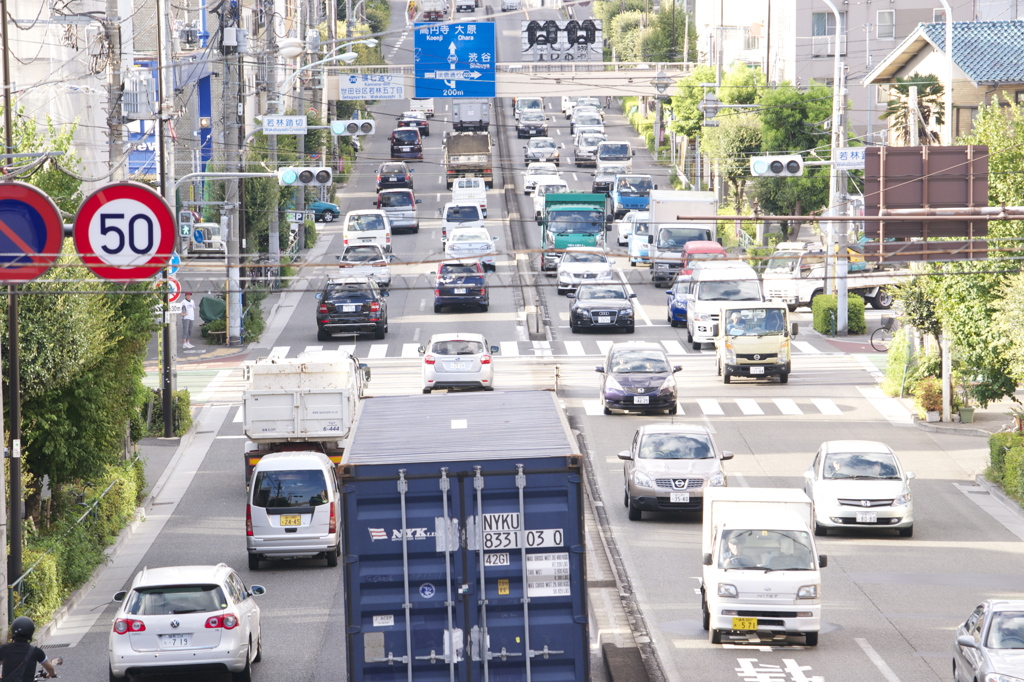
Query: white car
{"points": [[370, 226], [366, 260], [466, 190], [536, 169], [472, 243], [859, 484], [545, 186], [583, 264], [457, 361], [624, 225], [186, 618], [459, 214]]}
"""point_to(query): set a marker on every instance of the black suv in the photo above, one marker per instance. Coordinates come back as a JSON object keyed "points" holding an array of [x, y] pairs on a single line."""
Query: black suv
{"points": [[351, 306], [392, 174], [460, 283]]}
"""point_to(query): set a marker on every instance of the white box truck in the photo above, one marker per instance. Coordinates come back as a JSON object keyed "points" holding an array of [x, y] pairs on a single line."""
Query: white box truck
{"points": [[761, 567], [471, 114], [307, 403], [711, 285], [668, 233]]}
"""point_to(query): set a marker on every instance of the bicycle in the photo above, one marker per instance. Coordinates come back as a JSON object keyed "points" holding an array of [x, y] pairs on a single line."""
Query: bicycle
{"points": [[881, 338]]}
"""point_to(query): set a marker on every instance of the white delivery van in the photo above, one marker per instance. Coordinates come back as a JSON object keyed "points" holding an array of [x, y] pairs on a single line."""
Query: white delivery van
{"points": [[713, 284], [367, 227], [465, 190], [424, 105], [761, 567], [528, 103], [459, 214], [617, 153], [294, 509]]}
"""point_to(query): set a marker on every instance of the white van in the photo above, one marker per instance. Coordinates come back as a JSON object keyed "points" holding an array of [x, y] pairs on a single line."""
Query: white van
{"points": [[459, 214], [546, 184], [470, 190], [616, 152], [528, 104], [423, 105], [294, 509], [711, 285], [370, 226], [511, 5]]}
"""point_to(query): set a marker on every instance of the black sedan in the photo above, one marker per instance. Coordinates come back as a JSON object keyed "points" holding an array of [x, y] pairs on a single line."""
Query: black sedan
{"points": [[637, 377], [351, 305], [532, 124], [414, 119], [601, 306], [391, 174]]}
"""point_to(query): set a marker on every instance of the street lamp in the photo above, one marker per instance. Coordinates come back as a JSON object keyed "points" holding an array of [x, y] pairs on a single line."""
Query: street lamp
{"points": [[661, 82]]}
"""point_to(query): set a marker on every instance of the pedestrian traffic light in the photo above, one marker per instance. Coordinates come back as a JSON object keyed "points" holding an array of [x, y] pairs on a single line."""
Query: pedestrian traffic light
{"points": [[777, 166], [312, 176], [355, 126]]}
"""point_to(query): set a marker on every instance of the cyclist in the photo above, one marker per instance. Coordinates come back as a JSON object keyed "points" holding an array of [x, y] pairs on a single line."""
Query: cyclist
{"points": [[19, 657]]}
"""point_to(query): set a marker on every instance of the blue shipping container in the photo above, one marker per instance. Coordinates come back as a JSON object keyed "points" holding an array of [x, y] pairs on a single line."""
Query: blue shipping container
{"points": [[463, 540]]}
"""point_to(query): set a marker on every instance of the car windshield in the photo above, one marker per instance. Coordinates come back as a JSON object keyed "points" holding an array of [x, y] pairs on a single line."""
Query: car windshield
{"points": [[638, 362], [532, 117], [640, 184], [298, 488], [364, 223], [736, 290], [576, 222], [1006, 631], [782, 263], [706, 256], [407, 136], [395, 200], [614, 150], [604, 293], [547, 169], [462, 214], [168, 600], [362, 254], [860, 465], [591, 140], [642, 229], [544, 189], [524, 105], [468, 184], [469, 236], [767, 550], [341, 293], [459, 269], [588, 102], [755, 322], [588, 120], [392, 169], [457, 347], [542, 144], [675, 446], [608, 173], [583, 257], [675, 237]]}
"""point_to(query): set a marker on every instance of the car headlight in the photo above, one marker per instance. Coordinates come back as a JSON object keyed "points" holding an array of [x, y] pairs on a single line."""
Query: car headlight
{"points": [[783, 356], [611, 383], [668, 385], [717, 480], [902, 500], [730, 353], [642, 480], [626, 312], [701, 317], [807, 592], [727, 590]]}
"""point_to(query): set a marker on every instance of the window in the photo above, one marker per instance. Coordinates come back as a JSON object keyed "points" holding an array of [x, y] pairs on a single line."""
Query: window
{"points": [[824, 23], [886, 24], [751, 42], [939, 15], [882, 94]]}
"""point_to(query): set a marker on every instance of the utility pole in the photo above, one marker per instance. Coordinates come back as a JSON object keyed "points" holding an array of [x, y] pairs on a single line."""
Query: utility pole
{"points": [[165, 152], [273, 102], [232, 111], [115, 122]]}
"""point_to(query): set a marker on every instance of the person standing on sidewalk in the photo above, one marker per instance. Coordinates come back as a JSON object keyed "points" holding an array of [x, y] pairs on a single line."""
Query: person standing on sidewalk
{"points": [[188, 317]]}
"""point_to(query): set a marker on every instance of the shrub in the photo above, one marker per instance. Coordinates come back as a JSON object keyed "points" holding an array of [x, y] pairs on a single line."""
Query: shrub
{"points": [[1013, 471], [310, 234], [928, 395], [824, 310], [253, 323], [998, 444], [181, 407]]}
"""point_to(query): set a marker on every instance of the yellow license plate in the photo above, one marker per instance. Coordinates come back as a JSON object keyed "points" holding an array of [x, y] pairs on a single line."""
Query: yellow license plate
{"points": [[291, 520], [744, 623]]}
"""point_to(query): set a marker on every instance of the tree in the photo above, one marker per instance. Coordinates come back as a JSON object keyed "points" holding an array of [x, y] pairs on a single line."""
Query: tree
{"points": [[688, 119], [929, 102], [741, 84], [673, 36], [627, 32], [730, 145], [1008, 323]]}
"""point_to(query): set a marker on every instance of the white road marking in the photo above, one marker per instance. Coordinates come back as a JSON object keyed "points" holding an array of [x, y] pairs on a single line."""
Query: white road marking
{"points": [[575, 177], [741, 479], [439, 197], [279, 352], [749, 406], [787, 406], [890, 408], [351, 350], [423, 304], [873, 656], [826, 406], [674, 347], [215, 383], [239, 415], [806, 347], [542, 348], [710, 406], [558, 131], [593, 407], [636, 303], [238, 437], [574, 348], [679, 408], [378, 350], [605, 346], [509, 349], [416, 335], [410, 350], [313, 349]]}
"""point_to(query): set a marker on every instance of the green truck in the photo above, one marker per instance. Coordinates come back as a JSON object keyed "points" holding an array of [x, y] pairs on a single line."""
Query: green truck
{"points": [[571, 219]]}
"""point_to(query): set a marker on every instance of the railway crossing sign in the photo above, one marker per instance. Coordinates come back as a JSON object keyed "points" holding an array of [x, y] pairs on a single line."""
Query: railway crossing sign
{"points": [[124, 232], [31, 232], [454, 60]]}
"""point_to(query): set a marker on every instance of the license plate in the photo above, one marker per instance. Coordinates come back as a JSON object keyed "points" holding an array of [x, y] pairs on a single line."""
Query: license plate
{"points": [[460, 290], [867, 517], [367, 240], [458, 365], [757, 370], [291, 520], [349, 308], [175, 641], [604, 319], [744, 623], [679, 498], [394, 178], [641, 400]]}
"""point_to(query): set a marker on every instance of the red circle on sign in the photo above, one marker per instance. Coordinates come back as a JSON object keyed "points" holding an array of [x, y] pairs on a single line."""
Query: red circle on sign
{"points": [[149, 200], [31, 224], [174, 290]]}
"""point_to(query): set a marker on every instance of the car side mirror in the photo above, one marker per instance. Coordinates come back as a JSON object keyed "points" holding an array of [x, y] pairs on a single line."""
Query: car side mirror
{"points": [[412, 170], [822, 560], [650, 239], [611, 262], [677, 368], [570, 295], [706, 559], [319, 294], [599, 369], [910, 475], [366, 371], [966, 641], [119, 596], [438, 213], [795, 329], [714, 330], [809, 474], [726, 454], [655, 187], [495, 350], [626, 455], [385, 293], [421, 350], [257, 590], [634, 152], [632, 295], [419, 201]]}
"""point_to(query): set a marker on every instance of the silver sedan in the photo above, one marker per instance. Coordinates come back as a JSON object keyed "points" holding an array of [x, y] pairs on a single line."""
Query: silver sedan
{"points": [[457, 361], [990, 643]]}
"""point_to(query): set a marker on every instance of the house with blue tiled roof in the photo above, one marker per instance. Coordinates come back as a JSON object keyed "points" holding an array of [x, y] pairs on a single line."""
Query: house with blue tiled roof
{"points": [[988, 64]]}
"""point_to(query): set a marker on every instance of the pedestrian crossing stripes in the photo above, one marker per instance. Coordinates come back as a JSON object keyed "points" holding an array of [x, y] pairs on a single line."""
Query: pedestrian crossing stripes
{"points": [[749, 407]]}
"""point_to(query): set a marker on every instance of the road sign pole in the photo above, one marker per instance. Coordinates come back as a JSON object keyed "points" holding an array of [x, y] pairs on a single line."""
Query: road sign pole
{"points": [[14, 558]]}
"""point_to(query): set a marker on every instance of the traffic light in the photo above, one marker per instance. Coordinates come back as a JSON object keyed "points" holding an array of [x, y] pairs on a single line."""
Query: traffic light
{"points": [[355, 126], [312, 176], [777, 166]]}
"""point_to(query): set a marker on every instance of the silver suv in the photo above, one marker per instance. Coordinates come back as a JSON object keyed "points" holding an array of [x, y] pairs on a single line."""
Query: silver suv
{"points": [[668, 467]]}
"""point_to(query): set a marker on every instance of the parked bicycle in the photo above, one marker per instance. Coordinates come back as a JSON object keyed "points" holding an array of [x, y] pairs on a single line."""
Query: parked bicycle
{"points": [[881, 338]]}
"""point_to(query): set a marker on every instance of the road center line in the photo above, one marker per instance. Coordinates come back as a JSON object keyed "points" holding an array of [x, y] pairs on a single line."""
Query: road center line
{"points": [[873, 656]]}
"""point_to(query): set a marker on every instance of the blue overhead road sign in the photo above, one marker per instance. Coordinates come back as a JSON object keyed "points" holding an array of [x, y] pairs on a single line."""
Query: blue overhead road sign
{"points": [[455, 60]]}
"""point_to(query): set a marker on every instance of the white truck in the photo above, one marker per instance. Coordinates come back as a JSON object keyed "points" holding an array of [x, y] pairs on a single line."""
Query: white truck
{"points": [[471, 114], [796, 274], [303, 403], [713, 284], [668, 233], [207, 240], [424, 105], [761, 567]]}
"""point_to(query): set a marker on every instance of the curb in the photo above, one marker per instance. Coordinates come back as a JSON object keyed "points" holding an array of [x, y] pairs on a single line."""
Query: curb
{"points": [[998, 493], [925, 426]]}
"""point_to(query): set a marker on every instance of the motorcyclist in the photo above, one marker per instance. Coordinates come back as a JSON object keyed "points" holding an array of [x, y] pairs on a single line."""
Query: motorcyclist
{"points": [[19, 657]]}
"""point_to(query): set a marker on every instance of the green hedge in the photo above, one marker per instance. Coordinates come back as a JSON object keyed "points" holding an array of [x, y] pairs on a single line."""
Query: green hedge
{"points": [[1006, 463], [824, 309], [181, 406]]}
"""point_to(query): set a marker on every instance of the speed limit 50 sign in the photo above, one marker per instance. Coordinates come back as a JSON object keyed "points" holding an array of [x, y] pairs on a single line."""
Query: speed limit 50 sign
{"points": [[124, 232]]}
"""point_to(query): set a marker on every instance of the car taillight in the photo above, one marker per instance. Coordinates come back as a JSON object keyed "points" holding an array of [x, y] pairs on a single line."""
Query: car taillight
{"points": [[332, 526], [487, 170], [483, 291], [228, 621], [123, 625], [437, 292], [374, 307], [248, 508], [485, 359], [387, 239], [322, 308], [345, 240], [429, 359]]}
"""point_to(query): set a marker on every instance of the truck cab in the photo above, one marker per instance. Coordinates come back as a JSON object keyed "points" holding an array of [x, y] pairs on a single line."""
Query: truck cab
{"points": [[795, 274], [630, 193], [571, 219], [713, 285], [207, 239], [753, 340], [667, 243]]}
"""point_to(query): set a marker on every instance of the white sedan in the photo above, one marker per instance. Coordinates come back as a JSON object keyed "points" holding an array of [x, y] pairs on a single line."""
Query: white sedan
{"points": [[533, 174], [457, 361], [472, 243], [859, 484], [583, 264]]}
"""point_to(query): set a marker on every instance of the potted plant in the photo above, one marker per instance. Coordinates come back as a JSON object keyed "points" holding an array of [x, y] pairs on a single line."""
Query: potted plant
{"points": [[928, 398], [962, 386]]}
